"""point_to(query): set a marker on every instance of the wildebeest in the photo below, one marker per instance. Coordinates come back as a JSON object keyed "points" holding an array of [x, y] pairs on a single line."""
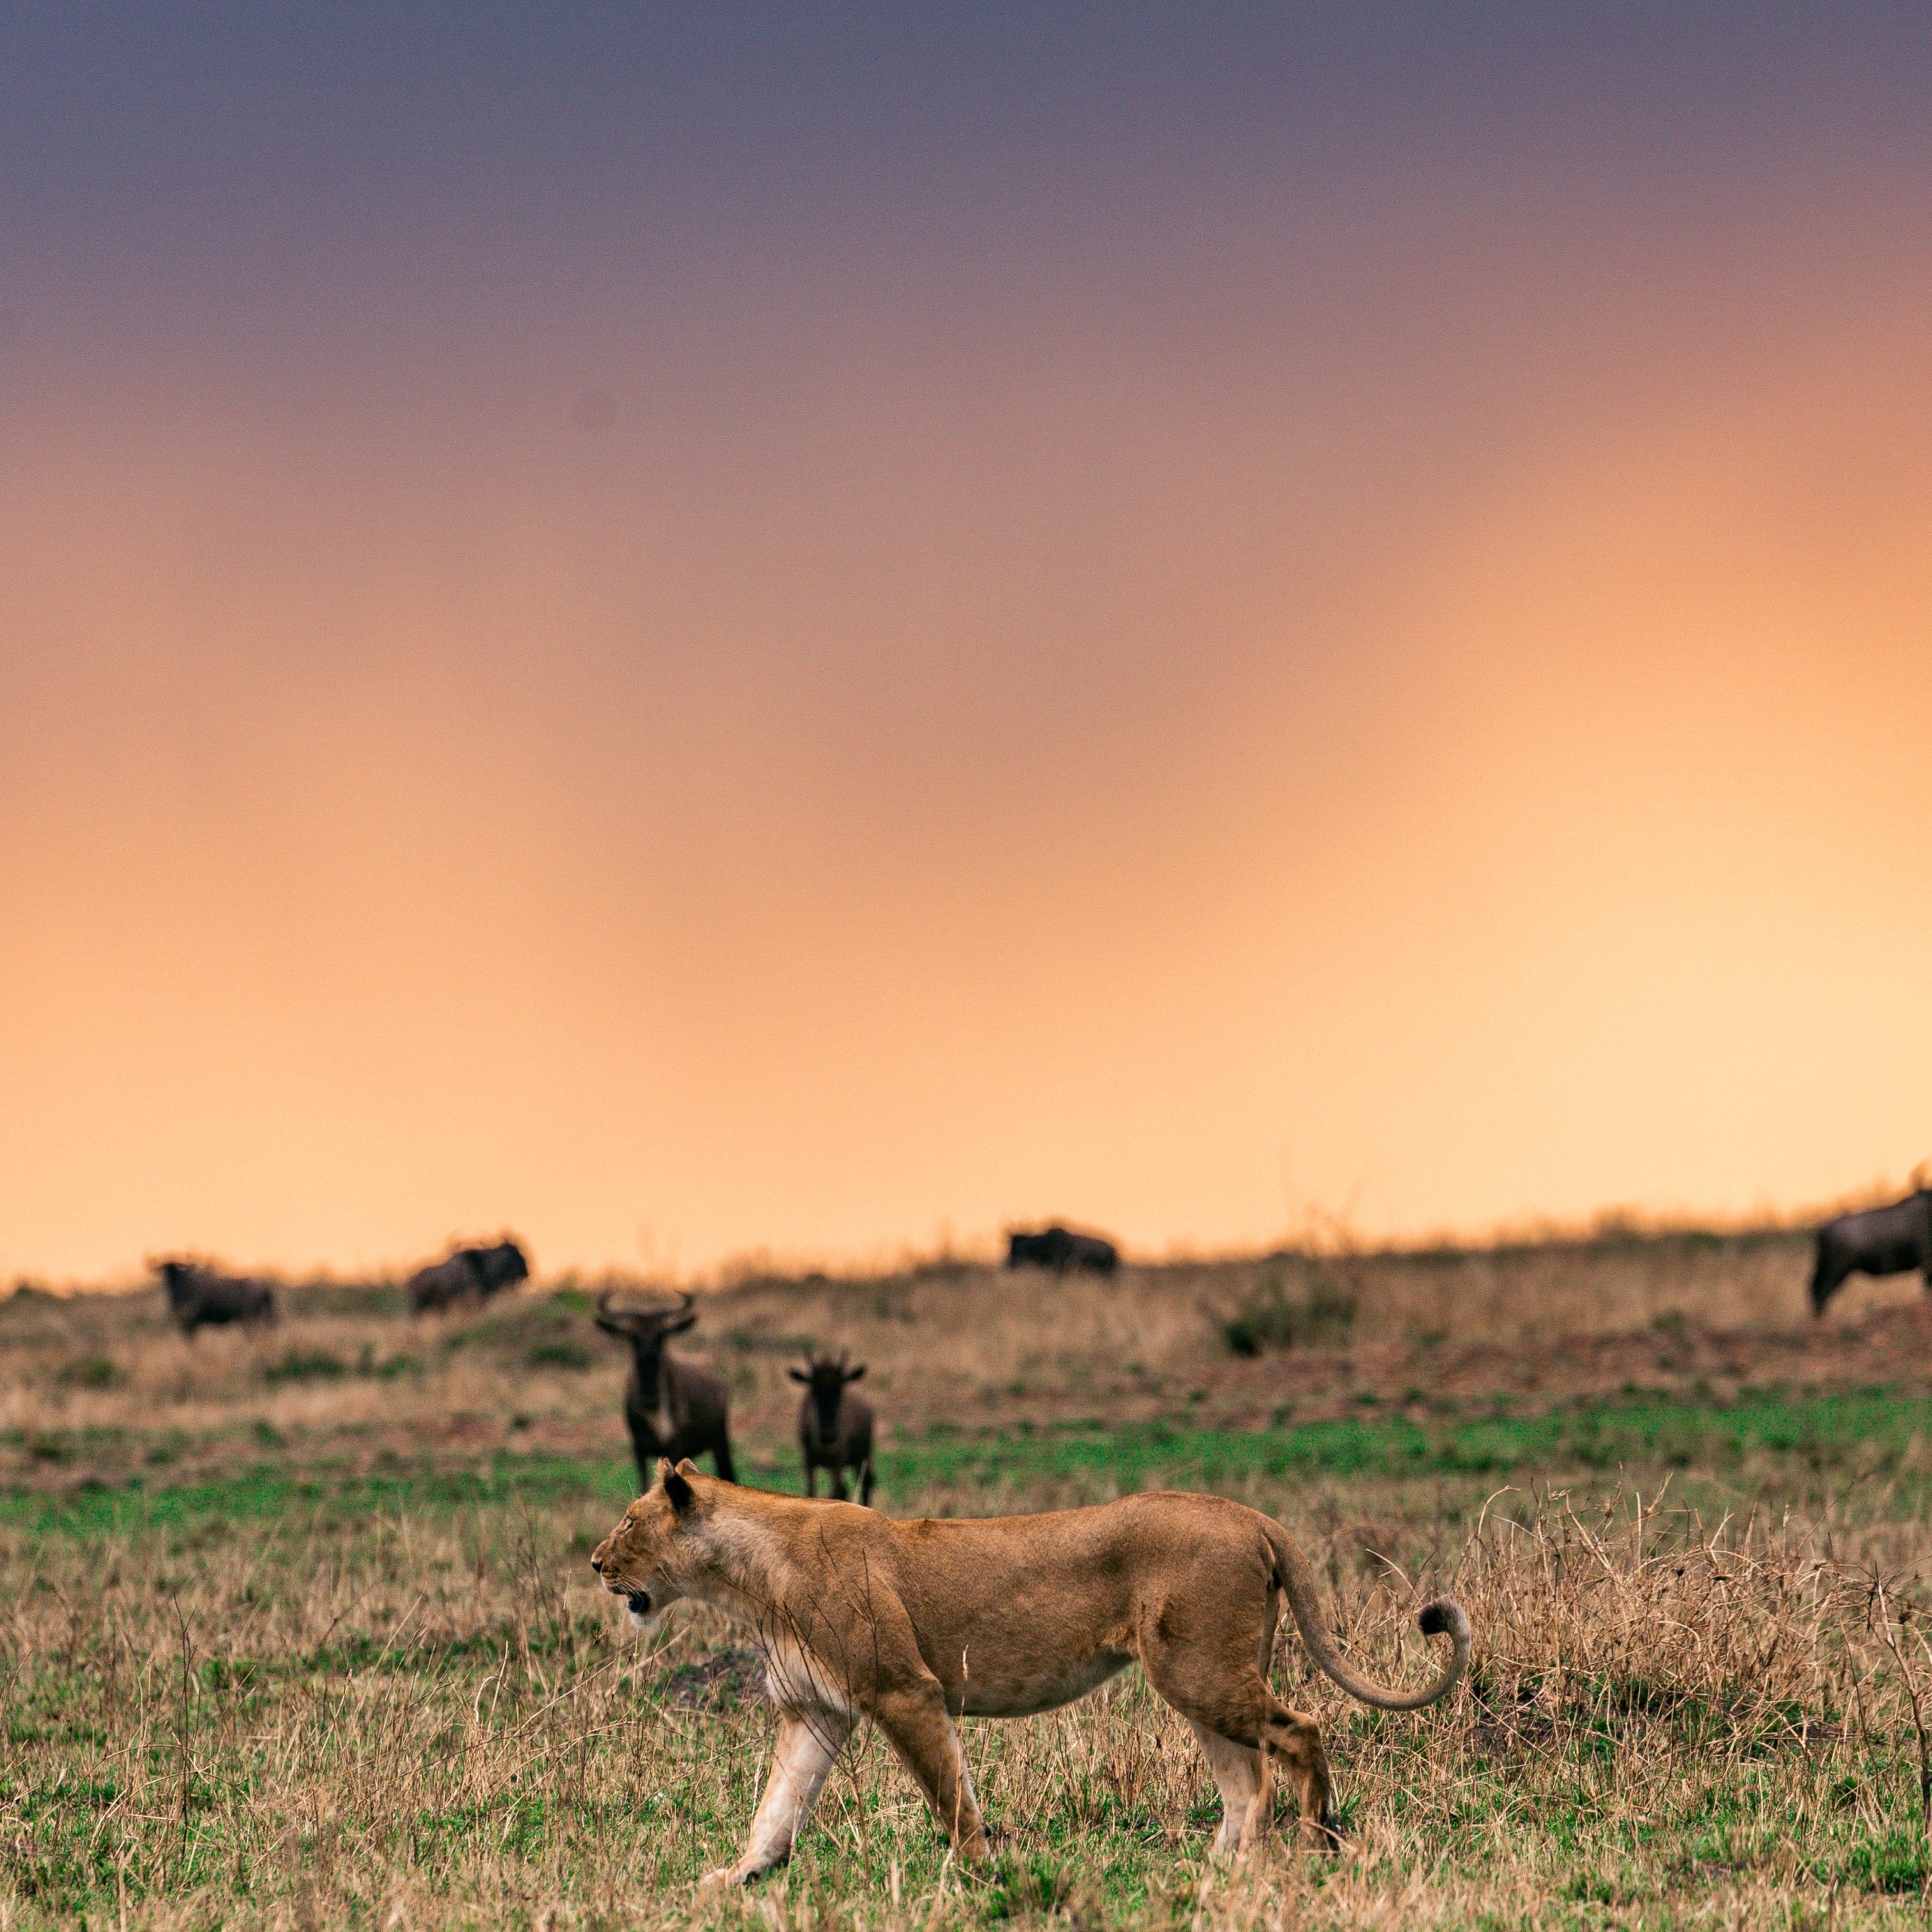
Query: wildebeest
{"points": [[199, 1298], [1881, 1240], [673, 1408], [1063, 1251], [467, 1272], [835, 1425]]}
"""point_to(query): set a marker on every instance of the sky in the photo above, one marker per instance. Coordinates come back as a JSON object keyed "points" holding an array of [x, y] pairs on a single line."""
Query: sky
{"points": [[702, 632]]}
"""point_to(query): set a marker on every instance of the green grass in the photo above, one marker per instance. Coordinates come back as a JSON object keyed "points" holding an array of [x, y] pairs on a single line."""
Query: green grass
{"points": [[1873, 1432]]}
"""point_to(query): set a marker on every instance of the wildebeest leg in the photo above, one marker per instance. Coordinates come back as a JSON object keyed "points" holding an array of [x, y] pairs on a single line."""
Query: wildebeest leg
{"points": [[809, 1742], [811, 1477], [838, 1481], [1827, 1276], [866, 1483], [720, 1457], [919, 1729]]}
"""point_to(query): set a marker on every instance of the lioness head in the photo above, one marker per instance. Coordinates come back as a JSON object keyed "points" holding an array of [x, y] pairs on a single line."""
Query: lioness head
{"points": [[638, 1560]]}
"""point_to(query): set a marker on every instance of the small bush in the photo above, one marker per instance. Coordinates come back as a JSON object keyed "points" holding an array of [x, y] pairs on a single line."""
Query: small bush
{"points": [[766, 1342], [93, 1372], [514, 1325], [561, 1354], [1269, 1318], [389, 1368], [306, 1365]]}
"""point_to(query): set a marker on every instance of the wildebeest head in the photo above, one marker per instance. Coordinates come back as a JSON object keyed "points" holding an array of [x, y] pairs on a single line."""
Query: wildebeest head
{"points": [[178, 1278], [826, 1380], [1026, 1250], [497, 1268], [646, 1329]]}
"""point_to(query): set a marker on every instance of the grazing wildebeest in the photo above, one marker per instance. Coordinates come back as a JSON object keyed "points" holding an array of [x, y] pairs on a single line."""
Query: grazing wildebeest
{"points": [[835, 1425], [673, 1408], [199, 1298], [1063, 1251], [467, 1272], [1882, 1240]]}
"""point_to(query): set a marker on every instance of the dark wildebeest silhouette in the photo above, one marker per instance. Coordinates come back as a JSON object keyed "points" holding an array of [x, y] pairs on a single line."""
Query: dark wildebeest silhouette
{"points": [[1063, 1251], [198, 1297], [835, 1425], [1895, 1240], [465, 1272], [673, 1408]]}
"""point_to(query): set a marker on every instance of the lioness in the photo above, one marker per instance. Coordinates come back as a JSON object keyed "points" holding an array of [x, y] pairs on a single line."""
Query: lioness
{"points": [[914, 1624]]}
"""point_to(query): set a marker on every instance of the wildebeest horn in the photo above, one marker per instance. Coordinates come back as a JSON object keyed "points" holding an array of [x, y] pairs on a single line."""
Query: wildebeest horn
{"points": [[604, 1302]]}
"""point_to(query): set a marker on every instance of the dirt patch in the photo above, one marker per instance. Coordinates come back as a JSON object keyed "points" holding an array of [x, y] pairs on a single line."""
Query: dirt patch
{"points": [[721, 1682]]}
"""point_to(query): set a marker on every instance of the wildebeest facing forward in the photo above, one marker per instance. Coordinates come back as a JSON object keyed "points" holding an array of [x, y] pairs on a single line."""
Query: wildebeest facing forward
{"points": [[835, 1425], [673, 1408], [467, 1272], [198, 1297], [1063, 1251], [1882, 1240]]}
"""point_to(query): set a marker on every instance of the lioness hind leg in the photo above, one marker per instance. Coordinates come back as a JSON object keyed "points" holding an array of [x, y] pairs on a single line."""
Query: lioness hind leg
{"points": [[809, 1743], [1296, 1739], [920, 1730], [1235, 1704], [1241, 1775]]}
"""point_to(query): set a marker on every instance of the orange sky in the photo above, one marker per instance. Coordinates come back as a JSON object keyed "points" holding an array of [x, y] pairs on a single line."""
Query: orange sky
{"points": [[1434, 735]]}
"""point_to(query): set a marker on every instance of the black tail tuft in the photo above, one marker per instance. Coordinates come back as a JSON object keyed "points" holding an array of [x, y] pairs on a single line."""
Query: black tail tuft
{"points": [[1445, 1617]]}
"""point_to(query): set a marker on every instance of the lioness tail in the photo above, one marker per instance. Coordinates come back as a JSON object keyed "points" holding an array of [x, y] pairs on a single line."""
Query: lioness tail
{"points": [[1444, 1614]]}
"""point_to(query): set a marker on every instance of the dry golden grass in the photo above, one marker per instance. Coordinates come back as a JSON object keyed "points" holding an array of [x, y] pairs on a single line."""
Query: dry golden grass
{"points": [[283, 1644], [953, 1344]]}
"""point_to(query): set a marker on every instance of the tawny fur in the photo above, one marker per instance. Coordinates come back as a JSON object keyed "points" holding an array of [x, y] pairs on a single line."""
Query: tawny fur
{"points": [[915, 1624]]}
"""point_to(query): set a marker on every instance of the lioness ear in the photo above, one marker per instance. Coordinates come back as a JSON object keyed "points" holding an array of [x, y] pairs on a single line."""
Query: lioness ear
{"points": [[677, 1486], [853, 1374]]}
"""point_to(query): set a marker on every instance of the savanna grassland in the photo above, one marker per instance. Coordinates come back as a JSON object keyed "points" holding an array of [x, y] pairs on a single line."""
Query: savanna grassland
{"points": [[296, 1625]]}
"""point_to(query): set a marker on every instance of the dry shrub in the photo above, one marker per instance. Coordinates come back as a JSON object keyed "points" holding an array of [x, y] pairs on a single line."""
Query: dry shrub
{"points": [[1320, 1312]]}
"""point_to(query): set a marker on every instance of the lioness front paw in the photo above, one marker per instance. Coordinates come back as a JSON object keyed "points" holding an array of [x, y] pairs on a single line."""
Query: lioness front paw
{"points": [[725, 1877]]}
